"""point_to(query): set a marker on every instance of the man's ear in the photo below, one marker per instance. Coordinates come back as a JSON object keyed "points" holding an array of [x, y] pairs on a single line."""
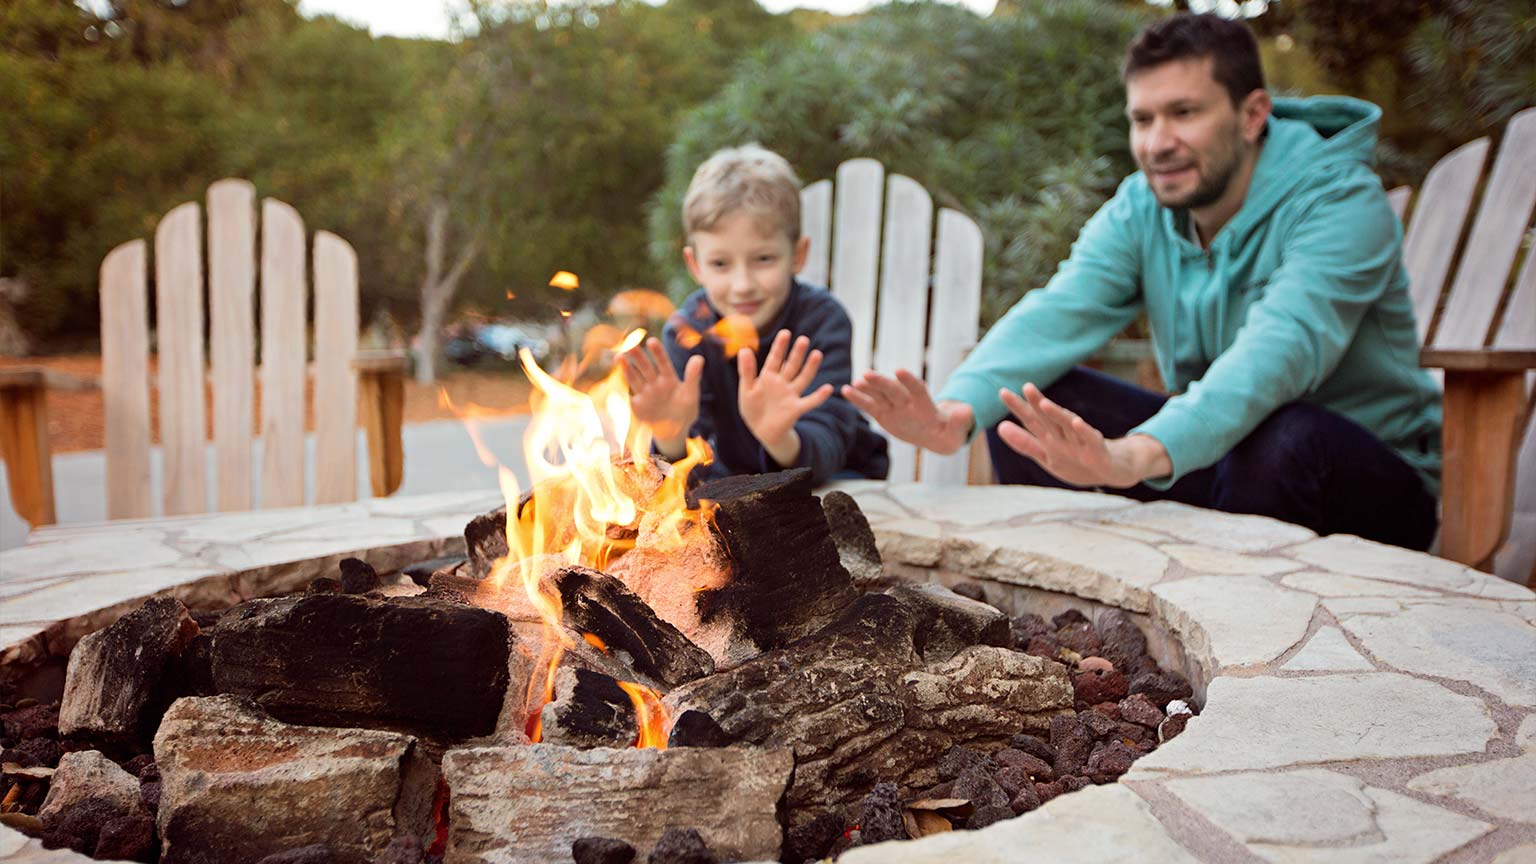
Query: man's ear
{"points": [[693, 264], [802, 251], [1255, 112]]}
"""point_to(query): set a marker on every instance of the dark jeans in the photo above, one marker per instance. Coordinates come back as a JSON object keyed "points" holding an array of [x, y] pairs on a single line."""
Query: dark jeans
{"points": [[1303, 464]]}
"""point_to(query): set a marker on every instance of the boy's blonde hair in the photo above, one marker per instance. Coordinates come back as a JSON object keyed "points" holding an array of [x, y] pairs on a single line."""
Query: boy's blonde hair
{"points": [[750, 178]]}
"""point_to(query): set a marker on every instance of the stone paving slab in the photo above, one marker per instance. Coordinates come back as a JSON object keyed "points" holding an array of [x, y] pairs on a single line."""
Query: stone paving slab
{"points": [[1360, 703]]}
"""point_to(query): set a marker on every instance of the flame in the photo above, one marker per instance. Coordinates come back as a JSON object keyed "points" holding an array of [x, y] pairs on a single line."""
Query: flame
{"points": [[596, 641], [651, 715], [592, 483], [734, 333]]}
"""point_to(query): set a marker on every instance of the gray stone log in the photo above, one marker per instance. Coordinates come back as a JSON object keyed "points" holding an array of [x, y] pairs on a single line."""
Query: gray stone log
{"points": [[854, 539], [857, 705], [238, 786], [527, 805], [89, 774], [112, 682], [948, 622]]}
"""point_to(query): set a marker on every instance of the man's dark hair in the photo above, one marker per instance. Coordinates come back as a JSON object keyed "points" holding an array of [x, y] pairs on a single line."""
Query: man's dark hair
{"points": [[1186, 36]]}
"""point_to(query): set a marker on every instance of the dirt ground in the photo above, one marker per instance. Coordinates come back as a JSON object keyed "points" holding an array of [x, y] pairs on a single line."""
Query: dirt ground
{"points": [[75, 410]]}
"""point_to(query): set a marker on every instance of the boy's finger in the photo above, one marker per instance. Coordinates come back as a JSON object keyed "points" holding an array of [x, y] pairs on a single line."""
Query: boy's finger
{"points": [[797, 354], [775, 358], [808, 373], [635, 368], [816, 398], [658, 354], [861, 400], [746, 368], [693, 372]]}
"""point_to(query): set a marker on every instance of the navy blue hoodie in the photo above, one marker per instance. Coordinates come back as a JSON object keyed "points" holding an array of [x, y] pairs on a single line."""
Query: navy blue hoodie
{"points": [[834, 437]]}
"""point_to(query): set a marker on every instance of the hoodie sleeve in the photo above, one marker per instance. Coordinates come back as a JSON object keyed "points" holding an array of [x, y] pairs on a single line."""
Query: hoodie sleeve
{"points": [[1095, 293], [1338, 258], [828, 432]]}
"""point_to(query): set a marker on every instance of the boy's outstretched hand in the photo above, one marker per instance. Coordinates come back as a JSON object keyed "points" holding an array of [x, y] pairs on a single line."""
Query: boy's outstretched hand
{"points": [[770, 400], [660, 399], [902, 407]]}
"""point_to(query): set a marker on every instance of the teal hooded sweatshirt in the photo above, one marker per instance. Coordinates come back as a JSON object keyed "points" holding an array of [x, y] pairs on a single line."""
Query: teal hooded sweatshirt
{"points": [[1302, 296]]}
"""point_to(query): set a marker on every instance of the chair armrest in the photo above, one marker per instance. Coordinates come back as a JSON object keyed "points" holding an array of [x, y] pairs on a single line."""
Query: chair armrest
{"points": [[1478, 359], [381, 397], [24, 443]]}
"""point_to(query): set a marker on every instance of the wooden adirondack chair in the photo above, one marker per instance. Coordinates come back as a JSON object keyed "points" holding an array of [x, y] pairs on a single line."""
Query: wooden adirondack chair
{"points": [[915, 299], [1488, 502], [341, 372]]}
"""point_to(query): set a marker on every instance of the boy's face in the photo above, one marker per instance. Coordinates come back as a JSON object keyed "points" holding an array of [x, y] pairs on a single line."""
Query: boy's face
{"points": [[743, 270]]}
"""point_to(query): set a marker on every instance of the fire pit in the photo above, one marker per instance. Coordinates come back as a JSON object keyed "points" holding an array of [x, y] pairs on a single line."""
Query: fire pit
{"points": [[1359, 701]]}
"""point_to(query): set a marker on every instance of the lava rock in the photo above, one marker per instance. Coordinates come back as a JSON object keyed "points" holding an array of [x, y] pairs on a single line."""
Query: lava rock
{"points": [[971, 590], [1108, 709], [1123, 640], [1095, 664], [1139, 708], [315, 853], [1161, 687], [404, 849], [1035, 766], [126, 838], [323, 585], [1091, 688], [1109, 761], [957, 760], [1034, 746], [33, 721], [1136, 734], [1080, 638], [1026, 627], [1072, 742], [1012, 779], [138, 764], [813, 840], [358, 576], [978, 786], [880, 815], [602, 850], [35, 752], [1044, 645], [988, 815], [1172, 726], [1027, 799], [1068, 618], [1098, 725], [681, 846]]}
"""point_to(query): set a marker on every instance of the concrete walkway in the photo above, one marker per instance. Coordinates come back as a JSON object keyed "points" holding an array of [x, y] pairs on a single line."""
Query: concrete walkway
{"points": [[439, 457]]}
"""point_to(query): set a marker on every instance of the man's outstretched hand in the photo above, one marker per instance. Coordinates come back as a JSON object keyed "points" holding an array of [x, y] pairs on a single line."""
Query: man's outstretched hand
{"points": [[1065, 445], [902, 407]]}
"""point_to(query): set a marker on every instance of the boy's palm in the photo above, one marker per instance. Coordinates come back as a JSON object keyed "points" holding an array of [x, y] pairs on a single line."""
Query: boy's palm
{"points": [[658, 398], [771, 400]]}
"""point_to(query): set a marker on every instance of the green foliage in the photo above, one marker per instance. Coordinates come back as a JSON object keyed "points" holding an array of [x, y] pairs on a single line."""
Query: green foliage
{"points": [[1016, 119]]}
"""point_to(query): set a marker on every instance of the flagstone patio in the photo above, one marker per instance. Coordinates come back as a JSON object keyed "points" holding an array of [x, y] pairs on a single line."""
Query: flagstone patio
{"points": [[1361, 703]]}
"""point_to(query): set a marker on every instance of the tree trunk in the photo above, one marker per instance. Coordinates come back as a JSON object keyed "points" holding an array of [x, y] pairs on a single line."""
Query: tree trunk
{"points": [[437, 289]]}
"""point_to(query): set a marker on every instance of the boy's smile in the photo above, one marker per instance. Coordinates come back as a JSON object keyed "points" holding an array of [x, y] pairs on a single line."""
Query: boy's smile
{"points": [[745, 271]]}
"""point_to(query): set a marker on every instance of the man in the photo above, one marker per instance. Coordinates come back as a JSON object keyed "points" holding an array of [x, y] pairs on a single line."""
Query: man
{"points": [[1268, 261]]}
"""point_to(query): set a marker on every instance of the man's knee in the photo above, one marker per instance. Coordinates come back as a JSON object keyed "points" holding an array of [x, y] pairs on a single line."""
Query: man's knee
{"points": [[1283, 448]]}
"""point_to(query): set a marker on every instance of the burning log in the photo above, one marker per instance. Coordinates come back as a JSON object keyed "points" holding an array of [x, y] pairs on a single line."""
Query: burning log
{"points": [[342, 660], [598, 604], [772, 577], [527, 805], [856, 703], [238, 786], [589, 710], [114, 674]]}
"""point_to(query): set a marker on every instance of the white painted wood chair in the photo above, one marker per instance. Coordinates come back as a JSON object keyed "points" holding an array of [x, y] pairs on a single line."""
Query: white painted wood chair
{"points": [[915, 298], [340, 372], [1488, 502]]}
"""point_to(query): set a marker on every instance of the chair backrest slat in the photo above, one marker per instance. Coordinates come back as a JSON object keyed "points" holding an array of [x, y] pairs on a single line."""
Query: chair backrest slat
{"points": [[179, 354], [816, 223], [232, 337], [283, 302], [904, 274], [1435, 230], [335, 380], [856, 255], [952, 323], [125, 379], [1496, 234]]}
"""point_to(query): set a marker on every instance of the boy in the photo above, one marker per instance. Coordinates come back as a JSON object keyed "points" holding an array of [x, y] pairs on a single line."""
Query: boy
{"points": [[782, 410]]}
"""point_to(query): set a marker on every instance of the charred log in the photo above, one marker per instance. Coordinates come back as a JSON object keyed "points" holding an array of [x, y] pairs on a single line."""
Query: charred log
{"points": [[596, 603], [112, 686]]}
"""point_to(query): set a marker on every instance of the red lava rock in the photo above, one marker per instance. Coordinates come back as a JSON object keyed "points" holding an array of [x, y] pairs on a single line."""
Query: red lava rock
{"points": [[977, 786], [1068, 618], [988, 815], [1138, 708], [1161, 687], [33, 721], [880, 814], [1109, 761], [1043, 646], [1025, 627], [1072, 743], [1092, 688], [601, 850], [1123, 640], [1027, 799], [1095, 664], [1098, 725], [1172, 726], [1109, 709], [957, 760], [1135, 733], [1060, 786], [1080, 638], [1033, 745], [126, 838], [35, 752], [1012, 779], [1035, 766], [1141, 666], [406, 849]]}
